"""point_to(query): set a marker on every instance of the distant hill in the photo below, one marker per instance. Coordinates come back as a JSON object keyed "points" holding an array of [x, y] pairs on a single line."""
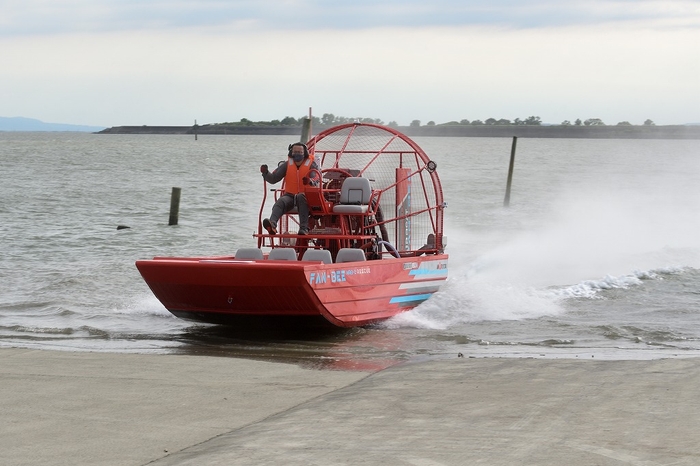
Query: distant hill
{"points": [[30, 124]]}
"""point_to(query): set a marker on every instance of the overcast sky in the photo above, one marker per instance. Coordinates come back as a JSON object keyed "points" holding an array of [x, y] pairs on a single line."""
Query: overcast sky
{"points": [[156, 62]]}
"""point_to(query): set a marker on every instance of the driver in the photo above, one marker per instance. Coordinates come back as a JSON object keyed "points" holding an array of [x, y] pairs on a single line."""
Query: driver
{"points": [[299, 170]]}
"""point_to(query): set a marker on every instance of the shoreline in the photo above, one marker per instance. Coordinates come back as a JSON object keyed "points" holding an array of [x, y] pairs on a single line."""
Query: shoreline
{"points": [[522, 131], [65, 408]]}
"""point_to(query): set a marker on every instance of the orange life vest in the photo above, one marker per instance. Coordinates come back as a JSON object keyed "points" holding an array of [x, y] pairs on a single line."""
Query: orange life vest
{"points": [[293, 183]]}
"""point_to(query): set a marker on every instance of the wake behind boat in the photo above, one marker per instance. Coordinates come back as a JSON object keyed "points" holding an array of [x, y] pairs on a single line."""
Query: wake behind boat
{"points": [[374, 247]]}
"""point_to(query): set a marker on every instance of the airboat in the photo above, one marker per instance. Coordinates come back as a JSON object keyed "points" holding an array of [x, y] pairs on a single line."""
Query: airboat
{"points": [[375, 245]]}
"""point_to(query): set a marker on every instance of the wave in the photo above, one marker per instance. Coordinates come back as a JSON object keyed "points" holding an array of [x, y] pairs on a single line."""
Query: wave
{"points": [[591, 288], [139, 305]]}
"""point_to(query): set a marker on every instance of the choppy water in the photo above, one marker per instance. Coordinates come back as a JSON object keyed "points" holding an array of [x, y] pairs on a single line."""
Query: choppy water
{"points": [[598, 254]]}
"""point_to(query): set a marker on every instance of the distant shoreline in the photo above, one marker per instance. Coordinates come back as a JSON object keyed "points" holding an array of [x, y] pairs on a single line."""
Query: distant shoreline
{"points": [[584, 132]]}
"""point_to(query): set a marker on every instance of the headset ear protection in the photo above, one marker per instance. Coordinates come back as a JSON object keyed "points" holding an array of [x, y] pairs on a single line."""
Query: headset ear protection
{"points": [[306, 149]]}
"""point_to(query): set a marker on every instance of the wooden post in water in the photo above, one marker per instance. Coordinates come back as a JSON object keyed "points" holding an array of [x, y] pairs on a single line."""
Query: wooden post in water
{"points": [[506, 201], [174, 206], [306, 128], [195, 130]]}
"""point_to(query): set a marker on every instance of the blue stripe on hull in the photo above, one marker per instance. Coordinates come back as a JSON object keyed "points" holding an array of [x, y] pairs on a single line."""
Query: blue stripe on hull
{"points": [[428, 272], [411, 299]]}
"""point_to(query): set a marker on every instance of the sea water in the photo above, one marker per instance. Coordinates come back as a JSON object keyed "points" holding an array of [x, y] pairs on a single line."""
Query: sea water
{"points": [[597, 255]]}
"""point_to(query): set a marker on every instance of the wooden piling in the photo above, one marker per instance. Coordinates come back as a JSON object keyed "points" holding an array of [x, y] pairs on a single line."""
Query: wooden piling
{"points": [[174, 206], [195, 130], [506, 201], [306, 128]]}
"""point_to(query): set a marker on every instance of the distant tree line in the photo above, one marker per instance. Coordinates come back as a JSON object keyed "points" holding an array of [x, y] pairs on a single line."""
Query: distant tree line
{"points": [[599, 122], [328, 119], [531, 120]]}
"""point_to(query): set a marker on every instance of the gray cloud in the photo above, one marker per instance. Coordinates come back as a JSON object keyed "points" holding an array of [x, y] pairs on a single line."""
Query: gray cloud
{"points": [[31, 17]]}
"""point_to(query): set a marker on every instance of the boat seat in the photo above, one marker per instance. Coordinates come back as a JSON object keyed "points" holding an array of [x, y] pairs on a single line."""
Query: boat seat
{"points": [[355, 194], [249, 253], [350, 255], [283, 254], [323, 255]]}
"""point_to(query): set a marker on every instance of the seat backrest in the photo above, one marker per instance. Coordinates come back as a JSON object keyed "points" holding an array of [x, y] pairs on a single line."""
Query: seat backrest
{"points": [[350, 255], [283, 254], [355, 190], [248, 253], [323, 255]]}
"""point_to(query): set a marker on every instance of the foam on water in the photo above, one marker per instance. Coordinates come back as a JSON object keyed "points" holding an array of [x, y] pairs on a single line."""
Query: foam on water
{"points": [[142, 304], [592, 288]]}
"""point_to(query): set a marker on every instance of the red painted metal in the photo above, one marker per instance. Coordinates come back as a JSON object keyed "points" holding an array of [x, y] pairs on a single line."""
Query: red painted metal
{"points": [[347, 294]]}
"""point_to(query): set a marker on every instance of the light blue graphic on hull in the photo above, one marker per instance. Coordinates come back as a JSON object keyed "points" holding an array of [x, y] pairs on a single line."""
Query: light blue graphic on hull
{"points": [[411, 299]]}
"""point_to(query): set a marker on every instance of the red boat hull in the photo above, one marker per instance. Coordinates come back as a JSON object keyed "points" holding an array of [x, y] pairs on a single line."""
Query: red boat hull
{"points": [[346, 295]]}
